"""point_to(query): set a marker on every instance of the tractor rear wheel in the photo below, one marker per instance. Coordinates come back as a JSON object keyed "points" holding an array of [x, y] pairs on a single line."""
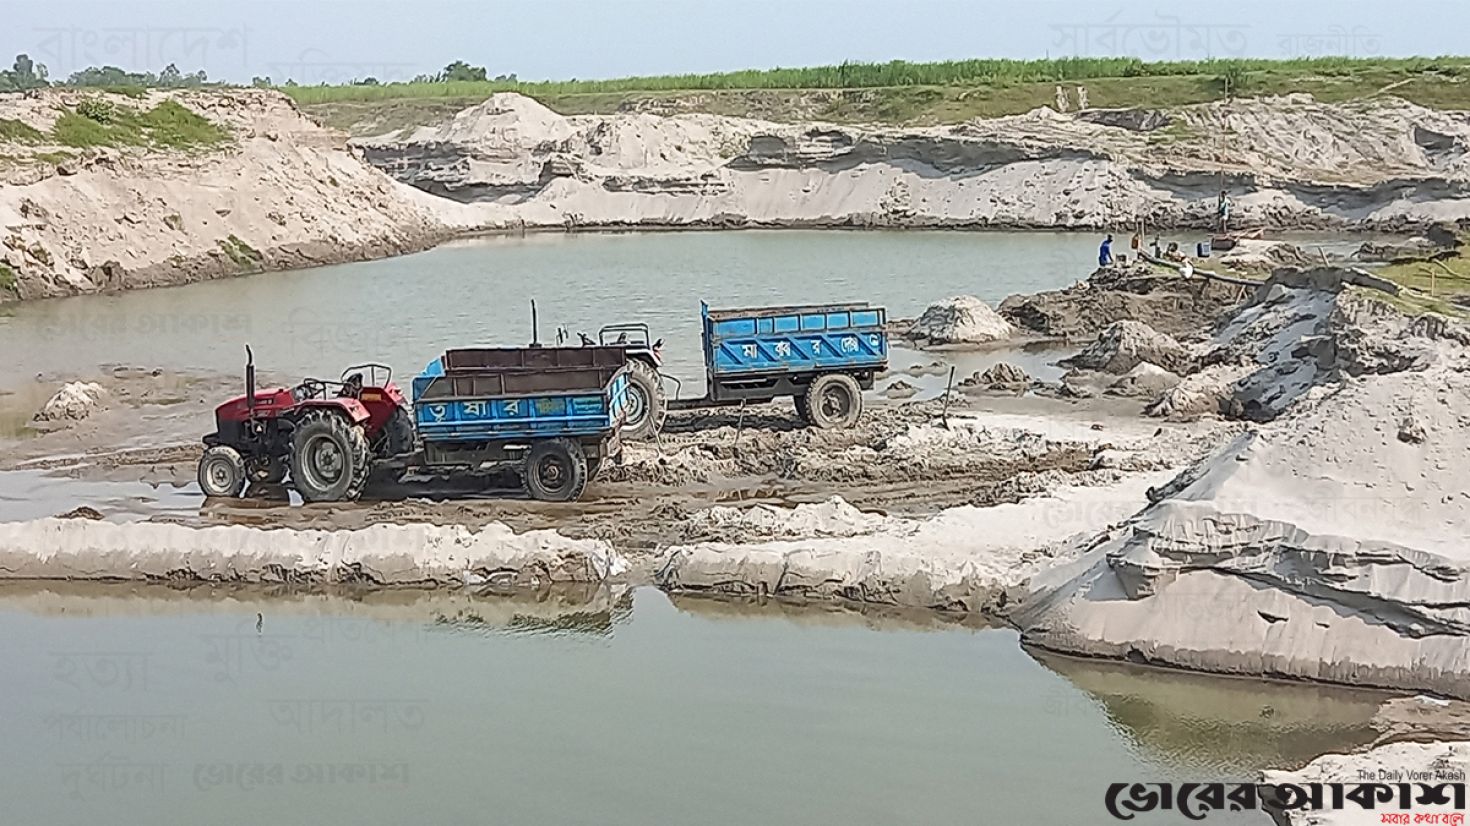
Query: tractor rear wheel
{"points": [[647, 405], [556, 471], [397, 436], [329, 458], [834, 400], [222, 472]]}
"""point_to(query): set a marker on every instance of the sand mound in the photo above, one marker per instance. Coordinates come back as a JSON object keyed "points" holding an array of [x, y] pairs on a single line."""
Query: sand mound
{"points": [[75, 401], [963, 319], [1146, 379], [964, 559], [1327, 546], [1001, 377], [1126, 344], [419, 555]]}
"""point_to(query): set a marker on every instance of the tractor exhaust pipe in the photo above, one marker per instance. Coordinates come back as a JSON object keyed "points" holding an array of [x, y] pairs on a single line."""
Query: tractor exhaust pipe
{"points": [[535, 328], [249, 379]]}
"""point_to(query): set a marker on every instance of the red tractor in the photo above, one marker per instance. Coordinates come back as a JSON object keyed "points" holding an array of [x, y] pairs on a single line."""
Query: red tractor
{"points": [[327, 435]]}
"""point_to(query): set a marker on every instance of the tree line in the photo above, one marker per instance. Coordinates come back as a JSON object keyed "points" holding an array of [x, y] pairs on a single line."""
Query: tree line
{"points": [[26, 74]]}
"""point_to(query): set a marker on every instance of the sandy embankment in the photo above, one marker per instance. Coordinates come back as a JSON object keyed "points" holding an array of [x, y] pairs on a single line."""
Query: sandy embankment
{"points": [[1325, 544], [282, 193], [1288, 162], [382, 555]]}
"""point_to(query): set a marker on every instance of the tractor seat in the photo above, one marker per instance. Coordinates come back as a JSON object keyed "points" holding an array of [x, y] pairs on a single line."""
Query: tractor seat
{"points": [[352, 388]]}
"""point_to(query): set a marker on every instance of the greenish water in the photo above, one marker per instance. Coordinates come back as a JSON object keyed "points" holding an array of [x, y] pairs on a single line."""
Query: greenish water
{"points": [[141, 706], [406, 310]]}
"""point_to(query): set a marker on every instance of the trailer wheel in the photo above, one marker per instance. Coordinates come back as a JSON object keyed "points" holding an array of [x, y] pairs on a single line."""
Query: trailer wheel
{"points": [[329, 458], [647, 404], [802, 408], [556, 471], [834, 400], [222, 472]]}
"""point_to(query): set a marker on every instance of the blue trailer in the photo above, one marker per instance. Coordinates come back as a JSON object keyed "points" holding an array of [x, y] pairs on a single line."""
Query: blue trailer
{"points": [[822, 356], [556, 411]]}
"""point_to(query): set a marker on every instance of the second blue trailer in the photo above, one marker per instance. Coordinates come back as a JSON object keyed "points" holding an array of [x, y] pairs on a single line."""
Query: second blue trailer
{"points": [[822, 356]]}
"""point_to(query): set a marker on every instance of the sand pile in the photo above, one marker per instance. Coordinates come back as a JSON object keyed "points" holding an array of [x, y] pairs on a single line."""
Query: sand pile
{"points": [[1328, 545], [963, 319], [382, 555], [964, 559], [1165, 302], [1146, 379], [1303, 329], [75, 400], [282, 193], [1126, 344]]}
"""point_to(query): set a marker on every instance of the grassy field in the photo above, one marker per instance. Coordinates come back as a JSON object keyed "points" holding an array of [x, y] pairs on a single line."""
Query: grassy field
{"points": [[910, 93], [1441, 286]]}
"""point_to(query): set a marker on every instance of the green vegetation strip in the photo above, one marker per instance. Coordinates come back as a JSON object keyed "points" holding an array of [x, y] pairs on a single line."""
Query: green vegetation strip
{"points": [[99, 122], [898, 73], [17, 132]]}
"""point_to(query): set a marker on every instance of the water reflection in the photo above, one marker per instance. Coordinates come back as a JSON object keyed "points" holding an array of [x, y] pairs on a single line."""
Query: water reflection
{"points": [[1225, 725], [762, 713]]}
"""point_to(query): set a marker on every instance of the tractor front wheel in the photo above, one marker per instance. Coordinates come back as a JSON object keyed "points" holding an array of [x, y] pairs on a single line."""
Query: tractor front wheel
{"points": [[556, 471], [329, 458], [834, 400], [222, 472]]}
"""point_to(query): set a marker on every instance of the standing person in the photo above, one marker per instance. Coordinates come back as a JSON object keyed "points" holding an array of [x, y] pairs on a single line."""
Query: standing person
{"points": [[1105, 252], [1222, 211]]}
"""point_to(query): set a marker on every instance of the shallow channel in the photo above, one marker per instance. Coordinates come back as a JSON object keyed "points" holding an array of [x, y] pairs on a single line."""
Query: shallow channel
{"points": [[128, 704]]}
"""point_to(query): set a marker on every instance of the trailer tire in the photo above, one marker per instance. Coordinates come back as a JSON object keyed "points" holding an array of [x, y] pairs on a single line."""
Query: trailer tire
{"points": [[647, 404], [330, 459], [834, 400], [803, 409], [556, 471], [222, 472]]}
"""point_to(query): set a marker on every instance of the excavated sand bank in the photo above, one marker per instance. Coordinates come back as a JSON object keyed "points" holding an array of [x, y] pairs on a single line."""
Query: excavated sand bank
{"points": [[1288, 162], [381, 555], [283, 193], [1326, 545]]}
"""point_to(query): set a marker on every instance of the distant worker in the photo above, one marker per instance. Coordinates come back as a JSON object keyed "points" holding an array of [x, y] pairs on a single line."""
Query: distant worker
{"points": [[1136, 242], [1158, 253], [1222, 211], [1105, 252]]}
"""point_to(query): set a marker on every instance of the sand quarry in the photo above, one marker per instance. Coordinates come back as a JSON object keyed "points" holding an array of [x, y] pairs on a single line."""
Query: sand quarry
{"points": [[1264, 481], [1280, 492]]}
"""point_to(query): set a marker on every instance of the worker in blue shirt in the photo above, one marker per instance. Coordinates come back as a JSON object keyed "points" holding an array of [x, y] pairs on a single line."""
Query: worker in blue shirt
{"points": [[1105, 252]]}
